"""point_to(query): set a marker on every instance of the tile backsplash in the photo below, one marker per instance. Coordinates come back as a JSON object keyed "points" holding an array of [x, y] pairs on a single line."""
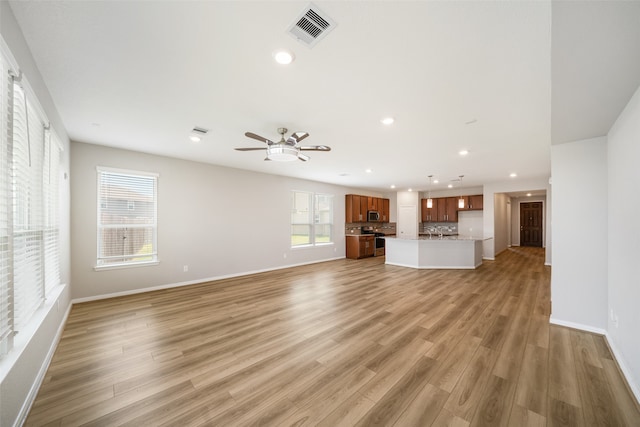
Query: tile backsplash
{"points": [[386, 228]]}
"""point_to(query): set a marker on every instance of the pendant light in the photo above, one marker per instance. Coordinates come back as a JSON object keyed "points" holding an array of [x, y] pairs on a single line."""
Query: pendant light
{"points": [[461, 200], [429, 199]]}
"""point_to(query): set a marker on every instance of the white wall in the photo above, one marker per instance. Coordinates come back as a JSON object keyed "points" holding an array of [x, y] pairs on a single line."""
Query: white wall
{"points": [[624, 240], [219, 221], [23, 368], [470, 224], [579, 275], [502, 224]]}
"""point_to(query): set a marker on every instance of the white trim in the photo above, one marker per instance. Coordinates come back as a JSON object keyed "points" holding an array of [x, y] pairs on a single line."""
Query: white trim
{"points": [[195, 282], [488, 258], [121, 266], [126, 171], [626, 372], [434, 267], [578, 326], [37, 383]]}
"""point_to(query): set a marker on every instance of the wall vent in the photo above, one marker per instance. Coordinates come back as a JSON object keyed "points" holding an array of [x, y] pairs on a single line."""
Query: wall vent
{"points": [[311, 26]]}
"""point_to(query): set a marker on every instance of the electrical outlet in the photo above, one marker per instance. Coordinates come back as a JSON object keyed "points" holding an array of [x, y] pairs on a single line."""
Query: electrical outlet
{"points": [[615, 321], [185, 268], [284, 255]]}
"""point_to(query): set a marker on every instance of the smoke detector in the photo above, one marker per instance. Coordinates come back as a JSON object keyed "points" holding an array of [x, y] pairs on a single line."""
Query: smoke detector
{"points": [[311, 26]]}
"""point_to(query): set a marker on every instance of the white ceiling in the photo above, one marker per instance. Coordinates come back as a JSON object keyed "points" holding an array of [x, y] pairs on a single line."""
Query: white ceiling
{"points": [[141, 74]]}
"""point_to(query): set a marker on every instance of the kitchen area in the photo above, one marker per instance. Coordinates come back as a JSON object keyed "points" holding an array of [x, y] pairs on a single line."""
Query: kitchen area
{"points": [[448, 234]]}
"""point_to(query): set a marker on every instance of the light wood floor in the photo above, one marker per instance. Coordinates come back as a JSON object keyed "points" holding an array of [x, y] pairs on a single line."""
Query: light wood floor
{"points": [[338, 343]]}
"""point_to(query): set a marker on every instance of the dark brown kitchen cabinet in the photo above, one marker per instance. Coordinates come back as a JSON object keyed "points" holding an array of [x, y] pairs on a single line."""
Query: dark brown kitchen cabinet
{"points": [[373, 203], [429, 214], [356, 208], [476, 203], [472, 203], [384, 212], [352, 209], [447, 209], [360, 246]]}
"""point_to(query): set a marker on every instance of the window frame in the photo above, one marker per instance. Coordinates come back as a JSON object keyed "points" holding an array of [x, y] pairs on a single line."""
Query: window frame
{"points": [[100, 264], [314, 219]]}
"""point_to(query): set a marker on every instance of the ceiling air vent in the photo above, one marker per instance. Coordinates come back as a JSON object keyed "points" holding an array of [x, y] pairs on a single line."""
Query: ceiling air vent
{"points": [[200, 131], [311, 26]]}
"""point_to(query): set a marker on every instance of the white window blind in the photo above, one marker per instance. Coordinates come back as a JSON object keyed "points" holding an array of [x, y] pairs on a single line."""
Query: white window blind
{"points": [[127, 218], [29, 219]]}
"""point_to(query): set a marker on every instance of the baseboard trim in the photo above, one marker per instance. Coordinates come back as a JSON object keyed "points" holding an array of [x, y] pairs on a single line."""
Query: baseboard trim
{"points": [[578, 326], [617, 355], [193, 282], [624, 369], [37, 383]]}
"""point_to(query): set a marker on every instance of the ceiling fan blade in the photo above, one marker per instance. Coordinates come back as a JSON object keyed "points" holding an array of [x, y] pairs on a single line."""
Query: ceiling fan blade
{"points": [[296, 137], [250, 148], [316, 148], [258, 137], [303, 157]]}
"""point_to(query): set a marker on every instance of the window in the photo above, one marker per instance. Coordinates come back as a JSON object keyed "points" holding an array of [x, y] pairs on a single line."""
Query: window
{"points": [[127, 218], [311, 218], [29, 219]]}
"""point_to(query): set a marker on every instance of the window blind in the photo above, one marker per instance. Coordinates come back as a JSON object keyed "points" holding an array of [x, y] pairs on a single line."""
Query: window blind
{"points": [[28, 226], [29, 207], [6, 296], [127, 217]]}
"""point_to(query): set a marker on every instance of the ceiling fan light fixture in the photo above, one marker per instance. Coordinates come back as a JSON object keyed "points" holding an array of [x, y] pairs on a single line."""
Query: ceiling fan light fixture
{"points": [[282, 153]]}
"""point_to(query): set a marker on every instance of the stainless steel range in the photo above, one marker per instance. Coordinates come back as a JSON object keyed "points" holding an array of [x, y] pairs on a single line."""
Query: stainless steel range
{"points": [[379, 239]]}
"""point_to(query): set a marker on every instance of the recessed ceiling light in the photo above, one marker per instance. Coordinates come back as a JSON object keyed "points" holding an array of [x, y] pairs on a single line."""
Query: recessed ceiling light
{"points": [[387, 121], [195, 138], [368, 171], [410, 190], [283, 57], [463, 152], [528, 194], [393, 186], [513, 175], [435, 181], [450, 186]]}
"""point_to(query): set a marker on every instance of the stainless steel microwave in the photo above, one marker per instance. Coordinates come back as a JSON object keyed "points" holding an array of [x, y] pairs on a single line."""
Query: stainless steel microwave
{"points": [[373, 216]]}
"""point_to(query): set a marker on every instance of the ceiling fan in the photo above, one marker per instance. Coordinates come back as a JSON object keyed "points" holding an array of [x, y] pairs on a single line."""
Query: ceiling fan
{"points": [[285, 149]]}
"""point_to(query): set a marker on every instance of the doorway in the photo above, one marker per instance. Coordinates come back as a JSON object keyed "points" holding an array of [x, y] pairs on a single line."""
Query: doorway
{"points": [[531, 224]]}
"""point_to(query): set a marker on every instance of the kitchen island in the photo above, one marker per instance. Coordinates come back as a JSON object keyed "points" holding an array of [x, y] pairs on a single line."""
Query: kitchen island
{"points": [[451, 252]]}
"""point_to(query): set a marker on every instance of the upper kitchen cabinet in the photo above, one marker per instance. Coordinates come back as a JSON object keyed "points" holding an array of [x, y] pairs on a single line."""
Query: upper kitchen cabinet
{"points": [[472, 203], [353, 209], [476, 203], [429, 214], [373, 203], [356, 208], [384, 211], [445, 209]]}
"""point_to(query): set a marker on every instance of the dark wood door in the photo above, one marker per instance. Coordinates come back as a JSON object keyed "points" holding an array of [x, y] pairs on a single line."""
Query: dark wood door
{"points": [[531, 224]]}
